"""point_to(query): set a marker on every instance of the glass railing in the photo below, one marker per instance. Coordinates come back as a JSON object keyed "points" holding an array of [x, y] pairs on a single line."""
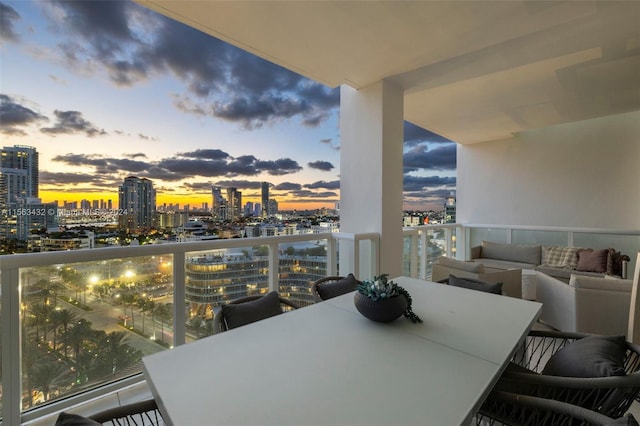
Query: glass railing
{"points": [[424, 244], [84, 319]]}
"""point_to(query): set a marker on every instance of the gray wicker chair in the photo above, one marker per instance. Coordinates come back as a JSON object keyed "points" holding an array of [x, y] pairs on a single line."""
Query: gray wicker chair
{"points": [[142, 413], [607, 396], [530, 410], [138, 413], [328, 287], [219, 323]]}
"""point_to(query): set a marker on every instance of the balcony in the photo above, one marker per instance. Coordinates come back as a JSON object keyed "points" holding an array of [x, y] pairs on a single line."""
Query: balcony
{"points": [[542, 98], [83, 319]]}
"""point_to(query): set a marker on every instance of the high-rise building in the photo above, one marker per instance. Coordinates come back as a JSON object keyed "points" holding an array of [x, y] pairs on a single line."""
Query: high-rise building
{"points": [[265, 198], [19, 176], [21, 208], [219, 204], [234, 203], [137, 204], [450, 208]]}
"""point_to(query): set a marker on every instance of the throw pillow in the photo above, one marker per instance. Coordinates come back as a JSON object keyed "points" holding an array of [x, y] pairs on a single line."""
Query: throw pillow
{"points": [[473, 284], [327, 290], [560, 257], [593, 356], [593, 260], [68, 419], [236, 315]]}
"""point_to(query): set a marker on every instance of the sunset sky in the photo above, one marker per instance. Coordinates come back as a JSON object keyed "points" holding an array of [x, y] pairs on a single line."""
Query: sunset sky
{"points": [[109, 89]]}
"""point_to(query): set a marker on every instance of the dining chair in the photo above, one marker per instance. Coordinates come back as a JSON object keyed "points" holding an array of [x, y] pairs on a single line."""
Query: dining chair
{"points": [[531, 410], [144, 412], [250, 309], [333, 286], [592, 372]]}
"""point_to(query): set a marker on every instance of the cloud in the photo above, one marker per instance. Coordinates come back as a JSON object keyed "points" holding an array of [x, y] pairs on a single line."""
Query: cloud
{"points": [[329, 141], [321, 165], [441, 158], [417, 183], [70, 122], [416, 135], [204, 163], [287, 186], [209, 154], [133, 44], [63, 179], [323, 185], [8, 17], [13, 116]]}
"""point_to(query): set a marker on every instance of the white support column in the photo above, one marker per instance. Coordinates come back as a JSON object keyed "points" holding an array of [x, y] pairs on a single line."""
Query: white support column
{"points": [[371, 128], [633, 332]]}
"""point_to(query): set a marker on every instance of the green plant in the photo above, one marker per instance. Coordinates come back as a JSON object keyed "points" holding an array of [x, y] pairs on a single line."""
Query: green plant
{"points": [[380, 287]]}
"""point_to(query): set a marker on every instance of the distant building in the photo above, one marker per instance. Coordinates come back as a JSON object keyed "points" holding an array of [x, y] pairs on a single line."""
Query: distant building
{"points": [[265, 199], [62, 241], [234, 204], [219, 204], [21, 211], [137, 204], [450, 209]]}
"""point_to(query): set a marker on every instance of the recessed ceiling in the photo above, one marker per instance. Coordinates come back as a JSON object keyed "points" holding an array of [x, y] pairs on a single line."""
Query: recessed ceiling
{"points": [[472, 71]]}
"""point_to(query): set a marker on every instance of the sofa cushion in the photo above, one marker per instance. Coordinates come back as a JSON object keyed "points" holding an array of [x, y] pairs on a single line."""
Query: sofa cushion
{"points": [[328, 290], [473, 284], [560, 257], [593, 260], [236, 315], [69, 419], [511, 252], [604, 283], [593, 356], [474, 267], [492, 265]]}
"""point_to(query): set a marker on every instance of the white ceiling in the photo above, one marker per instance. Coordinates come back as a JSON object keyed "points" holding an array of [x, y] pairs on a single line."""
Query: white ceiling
{"points": [[472, 71]]}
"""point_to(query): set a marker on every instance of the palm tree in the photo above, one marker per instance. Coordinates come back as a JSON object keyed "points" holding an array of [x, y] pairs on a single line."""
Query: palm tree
{"points": [[41, 313], [143, 305], [64, 318], [164, 313], [77, 335], [151, 307], [48, 374]]}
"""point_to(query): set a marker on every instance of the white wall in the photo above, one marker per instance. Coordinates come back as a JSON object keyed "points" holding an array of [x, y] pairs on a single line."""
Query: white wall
{"points": [[584, 174]]}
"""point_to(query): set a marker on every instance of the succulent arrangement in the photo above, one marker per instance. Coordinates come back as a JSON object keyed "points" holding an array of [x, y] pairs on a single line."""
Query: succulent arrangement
{"points": [[380, 287]]}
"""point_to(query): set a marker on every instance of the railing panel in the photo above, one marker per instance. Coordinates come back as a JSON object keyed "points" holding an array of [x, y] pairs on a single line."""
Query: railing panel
{"points": [[84, 324], [300, 265], [216, 277], [477, 235], [535, 237]]}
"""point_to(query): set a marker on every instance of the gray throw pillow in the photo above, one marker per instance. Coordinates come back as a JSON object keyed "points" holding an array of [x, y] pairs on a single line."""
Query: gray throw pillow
{"points": [[327, 290], [236, 315], [473, 284], [68, 419], [593, 356]]}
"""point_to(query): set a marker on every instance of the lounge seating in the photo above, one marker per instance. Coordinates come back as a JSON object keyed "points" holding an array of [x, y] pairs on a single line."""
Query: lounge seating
{"points": [[555, 261], [585, 304], [511, 279]]}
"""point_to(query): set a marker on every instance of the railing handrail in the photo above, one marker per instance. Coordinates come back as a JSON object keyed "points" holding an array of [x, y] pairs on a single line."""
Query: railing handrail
{"points": [[611, 231], [25, 260]]}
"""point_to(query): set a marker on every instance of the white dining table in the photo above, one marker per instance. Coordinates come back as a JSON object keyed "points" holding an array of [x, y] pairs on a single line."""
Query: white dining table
{"points": [[326, 364]]}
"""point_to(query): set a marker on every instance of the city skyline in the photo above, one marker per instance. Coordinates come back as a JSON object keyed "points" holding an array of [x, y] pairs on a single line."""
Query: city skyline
{"points": [[106, 90]]}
